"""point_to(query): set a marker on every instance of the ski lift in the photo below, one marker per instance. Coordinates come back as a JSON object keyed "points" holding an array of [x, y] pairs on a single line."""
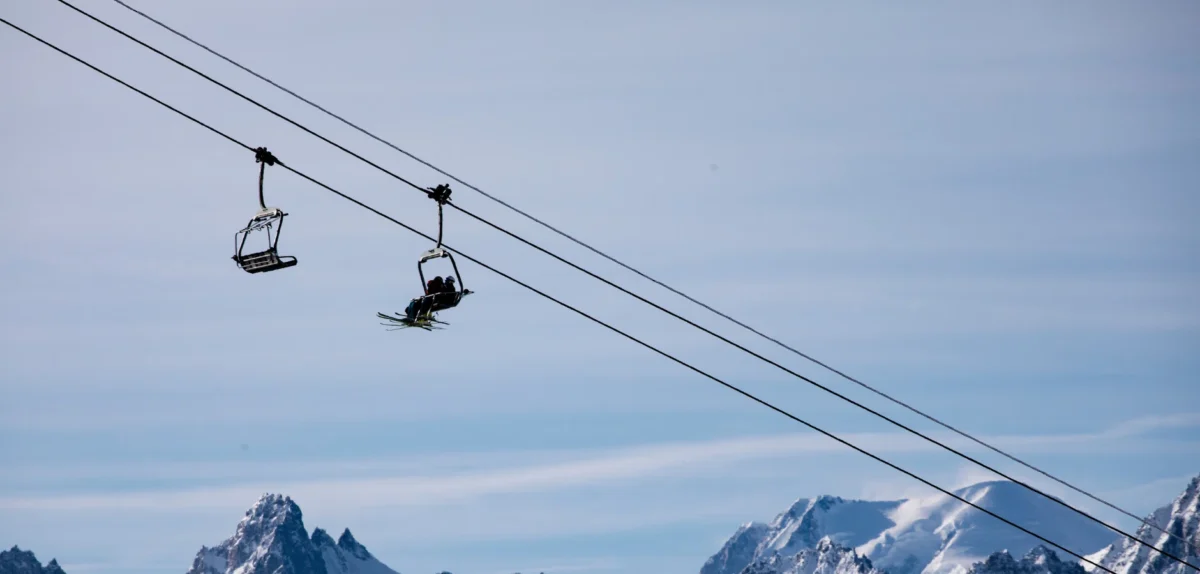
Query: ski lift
{"points": [[266, 219], [439, 294], [449, 297]]}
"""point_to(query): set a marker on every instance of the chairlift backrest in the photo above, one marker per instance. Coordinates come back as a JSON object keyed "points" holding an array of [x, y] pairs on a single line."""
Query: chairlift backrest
{"points": [[434, 253], [265, 219], [269, 213], [268, 259]]}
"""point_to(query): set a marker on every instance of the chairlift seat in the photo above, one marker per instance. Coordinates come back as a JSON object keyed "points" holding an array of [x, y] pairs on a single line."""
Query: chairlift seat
{"points": [[264, 261], [447, 300], [268, 259]]}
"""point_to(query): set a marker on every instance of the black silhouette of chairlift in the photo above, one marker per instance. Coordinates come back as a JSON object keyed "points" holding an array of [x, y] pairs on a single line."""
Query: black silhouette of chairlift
{"points": [[445, 299], [266, 218], [424, 306]]}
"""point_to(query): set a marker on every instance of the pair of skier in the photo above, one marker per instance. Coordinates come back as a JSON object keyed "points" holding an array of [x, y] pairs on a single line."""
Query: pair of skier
{"points": [[437, 285], [438, 293]]}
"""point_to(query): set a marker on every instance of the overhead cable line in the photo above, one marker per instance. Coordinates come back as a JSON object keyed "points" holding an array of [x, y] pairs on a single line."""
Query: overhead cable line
{"points": [[822, 387], [572, 308], [870, 388], [827, 389], [644, 300]]}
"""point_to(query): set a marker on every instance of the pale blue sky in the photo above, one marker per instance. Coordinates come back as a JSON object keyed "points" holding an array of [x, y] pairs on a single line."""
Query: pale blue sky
{"points": [[985, 210]]}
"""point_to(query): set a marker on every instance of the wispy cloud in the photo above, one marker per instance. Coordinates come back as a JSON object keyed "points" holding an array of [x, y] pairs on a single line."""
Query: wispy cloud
{"points": [[633, 463], [1134, 427], [1155, 488], [405, 485]]}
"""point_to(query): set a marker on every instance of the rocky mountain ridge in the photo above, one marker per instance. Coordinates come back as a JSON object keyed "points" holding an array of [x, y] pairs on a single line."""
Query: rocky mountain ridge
{"points": [[17, 561], [271, 539], [939, 535]]}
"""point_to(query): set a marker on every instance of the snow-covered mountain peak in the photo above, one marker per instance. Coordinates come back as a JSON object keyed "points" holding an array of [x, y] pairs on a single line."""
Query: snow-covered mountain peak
{"points": [[825, 501], [271, 539], [842, 520], [322, 539], [826, 557], [946, 536], [929, 535], [794, 510], [824, 544], [1040, 560], [1003, 495], [1181, 519], [803, 526], [803, 506], [17, 561], [1042, 555], [739, 551], [348, 544], [272, 508]]}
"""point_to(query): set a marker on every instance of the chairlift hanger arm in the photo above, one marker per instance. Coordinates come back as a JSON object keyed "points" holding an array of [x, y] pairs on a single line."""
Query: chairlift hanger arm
{"points": [[440, 194], [263, 158]]}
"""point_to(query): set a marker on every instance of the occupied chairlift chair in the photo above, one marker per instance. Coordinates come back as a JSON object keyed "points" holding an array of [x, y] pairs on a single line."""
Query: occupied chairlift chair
{"points": [[421, 309], [446, 299]]}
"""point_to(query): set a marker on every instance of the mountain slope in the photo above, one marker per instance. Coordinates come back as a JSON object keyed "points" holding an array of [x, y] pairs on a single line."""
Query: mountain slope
{"points": [[17, 561], [346, 556], [1181, 518], [802, 526], [271, 539], [825, 557], [1040, 560], [935, 535], [739, 551], [945, 535]]}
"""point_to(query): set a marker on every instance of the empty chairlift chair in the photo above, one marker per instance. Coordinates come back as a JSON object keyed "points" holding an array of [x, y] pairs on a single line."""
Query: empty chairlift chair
{"points": [[266, 219], [268, 259]]}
